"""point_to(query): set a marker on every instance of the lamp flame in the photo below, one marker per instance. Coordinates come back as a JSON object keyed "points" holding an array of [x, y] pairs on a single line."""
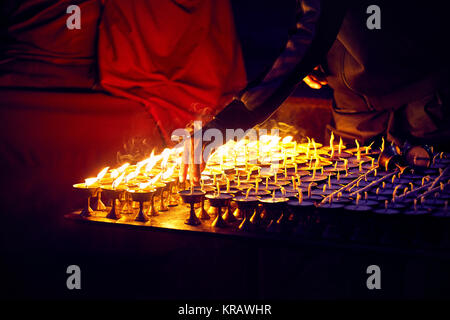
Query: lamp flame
{"points": [[118, 181], [90, 181]]}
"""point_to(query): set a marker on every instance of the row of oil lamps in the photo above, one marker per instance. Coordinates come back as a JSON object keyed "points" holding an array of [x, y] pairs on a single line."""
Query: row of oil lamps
{"points": [[265, 190], [310, 156], [254, 204]]}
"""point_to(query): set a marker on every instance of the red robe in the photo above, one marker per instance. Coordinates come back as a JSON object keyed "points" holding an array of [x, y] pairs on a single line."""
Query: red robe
{"points": [[181, 59]]}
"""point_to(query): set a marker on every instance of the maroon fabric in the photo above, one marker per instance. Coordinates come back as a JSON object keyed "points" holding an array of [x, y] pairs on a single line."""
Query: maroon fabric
{"points": [[180, 58], [43, 53], [49, 141]]}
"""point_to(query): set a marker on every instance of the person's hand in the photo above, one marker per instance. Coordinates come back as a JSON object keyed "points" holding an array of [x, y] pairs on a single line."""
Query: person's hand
{"points": [[316, 79], [234, 116], [193, 162]]}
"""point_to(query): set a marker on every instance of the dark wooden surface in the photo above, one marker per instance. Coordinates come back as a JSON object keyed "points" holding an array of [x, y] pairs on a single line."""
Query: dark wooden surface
{"points": [[173, 221]]}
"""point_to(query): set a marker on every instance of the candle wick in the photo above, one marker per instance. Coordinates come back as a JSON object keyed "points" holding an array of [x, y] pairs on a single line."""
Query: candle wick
{"points": [[300, 195], [247, 193]]}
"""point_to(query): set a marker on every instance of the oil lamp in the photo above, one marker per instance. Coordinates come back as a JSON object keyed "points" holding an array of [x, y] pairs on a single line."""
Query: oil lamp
{"points": [[126, 201], [284, 193], [228, 215], [165, 196], [114, 191], [348, 200], [203, 214], [88, 190], [141, 196], [301, 210], [192, 197], [173, 193], [219, 201], [113, 194], [247, 205], [99, 205], [275, 208], [339, 153]]}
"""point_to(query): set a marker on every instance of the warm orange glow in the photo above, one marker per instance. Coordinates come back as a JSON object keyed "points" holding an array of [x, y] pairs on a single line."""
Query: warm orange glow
{"points": [[90, 181], [118, 181], [151, 162], [165, 157], [168, 173], [369, 147], [315, 148], [332, 144], [102, 173], [269, 149], [150, 182], [358, 151], [287, 139]]}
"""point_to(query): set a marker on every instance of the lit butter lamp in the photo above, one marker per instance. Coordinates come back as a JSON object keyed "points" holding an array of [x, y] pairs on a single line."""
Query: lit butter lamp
{"points": [[315, 176], [219, 200], [301, 209], [192, 197], [359, 156], [247, 206], [338, 153], [99, 205], [203, 214], [159, 186], [91, 188], [237, 184], [166, 192], [270, 186], [238, 214], [228, 215], [88, 189], [113, 192], [275, 211], [141, 195]]}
